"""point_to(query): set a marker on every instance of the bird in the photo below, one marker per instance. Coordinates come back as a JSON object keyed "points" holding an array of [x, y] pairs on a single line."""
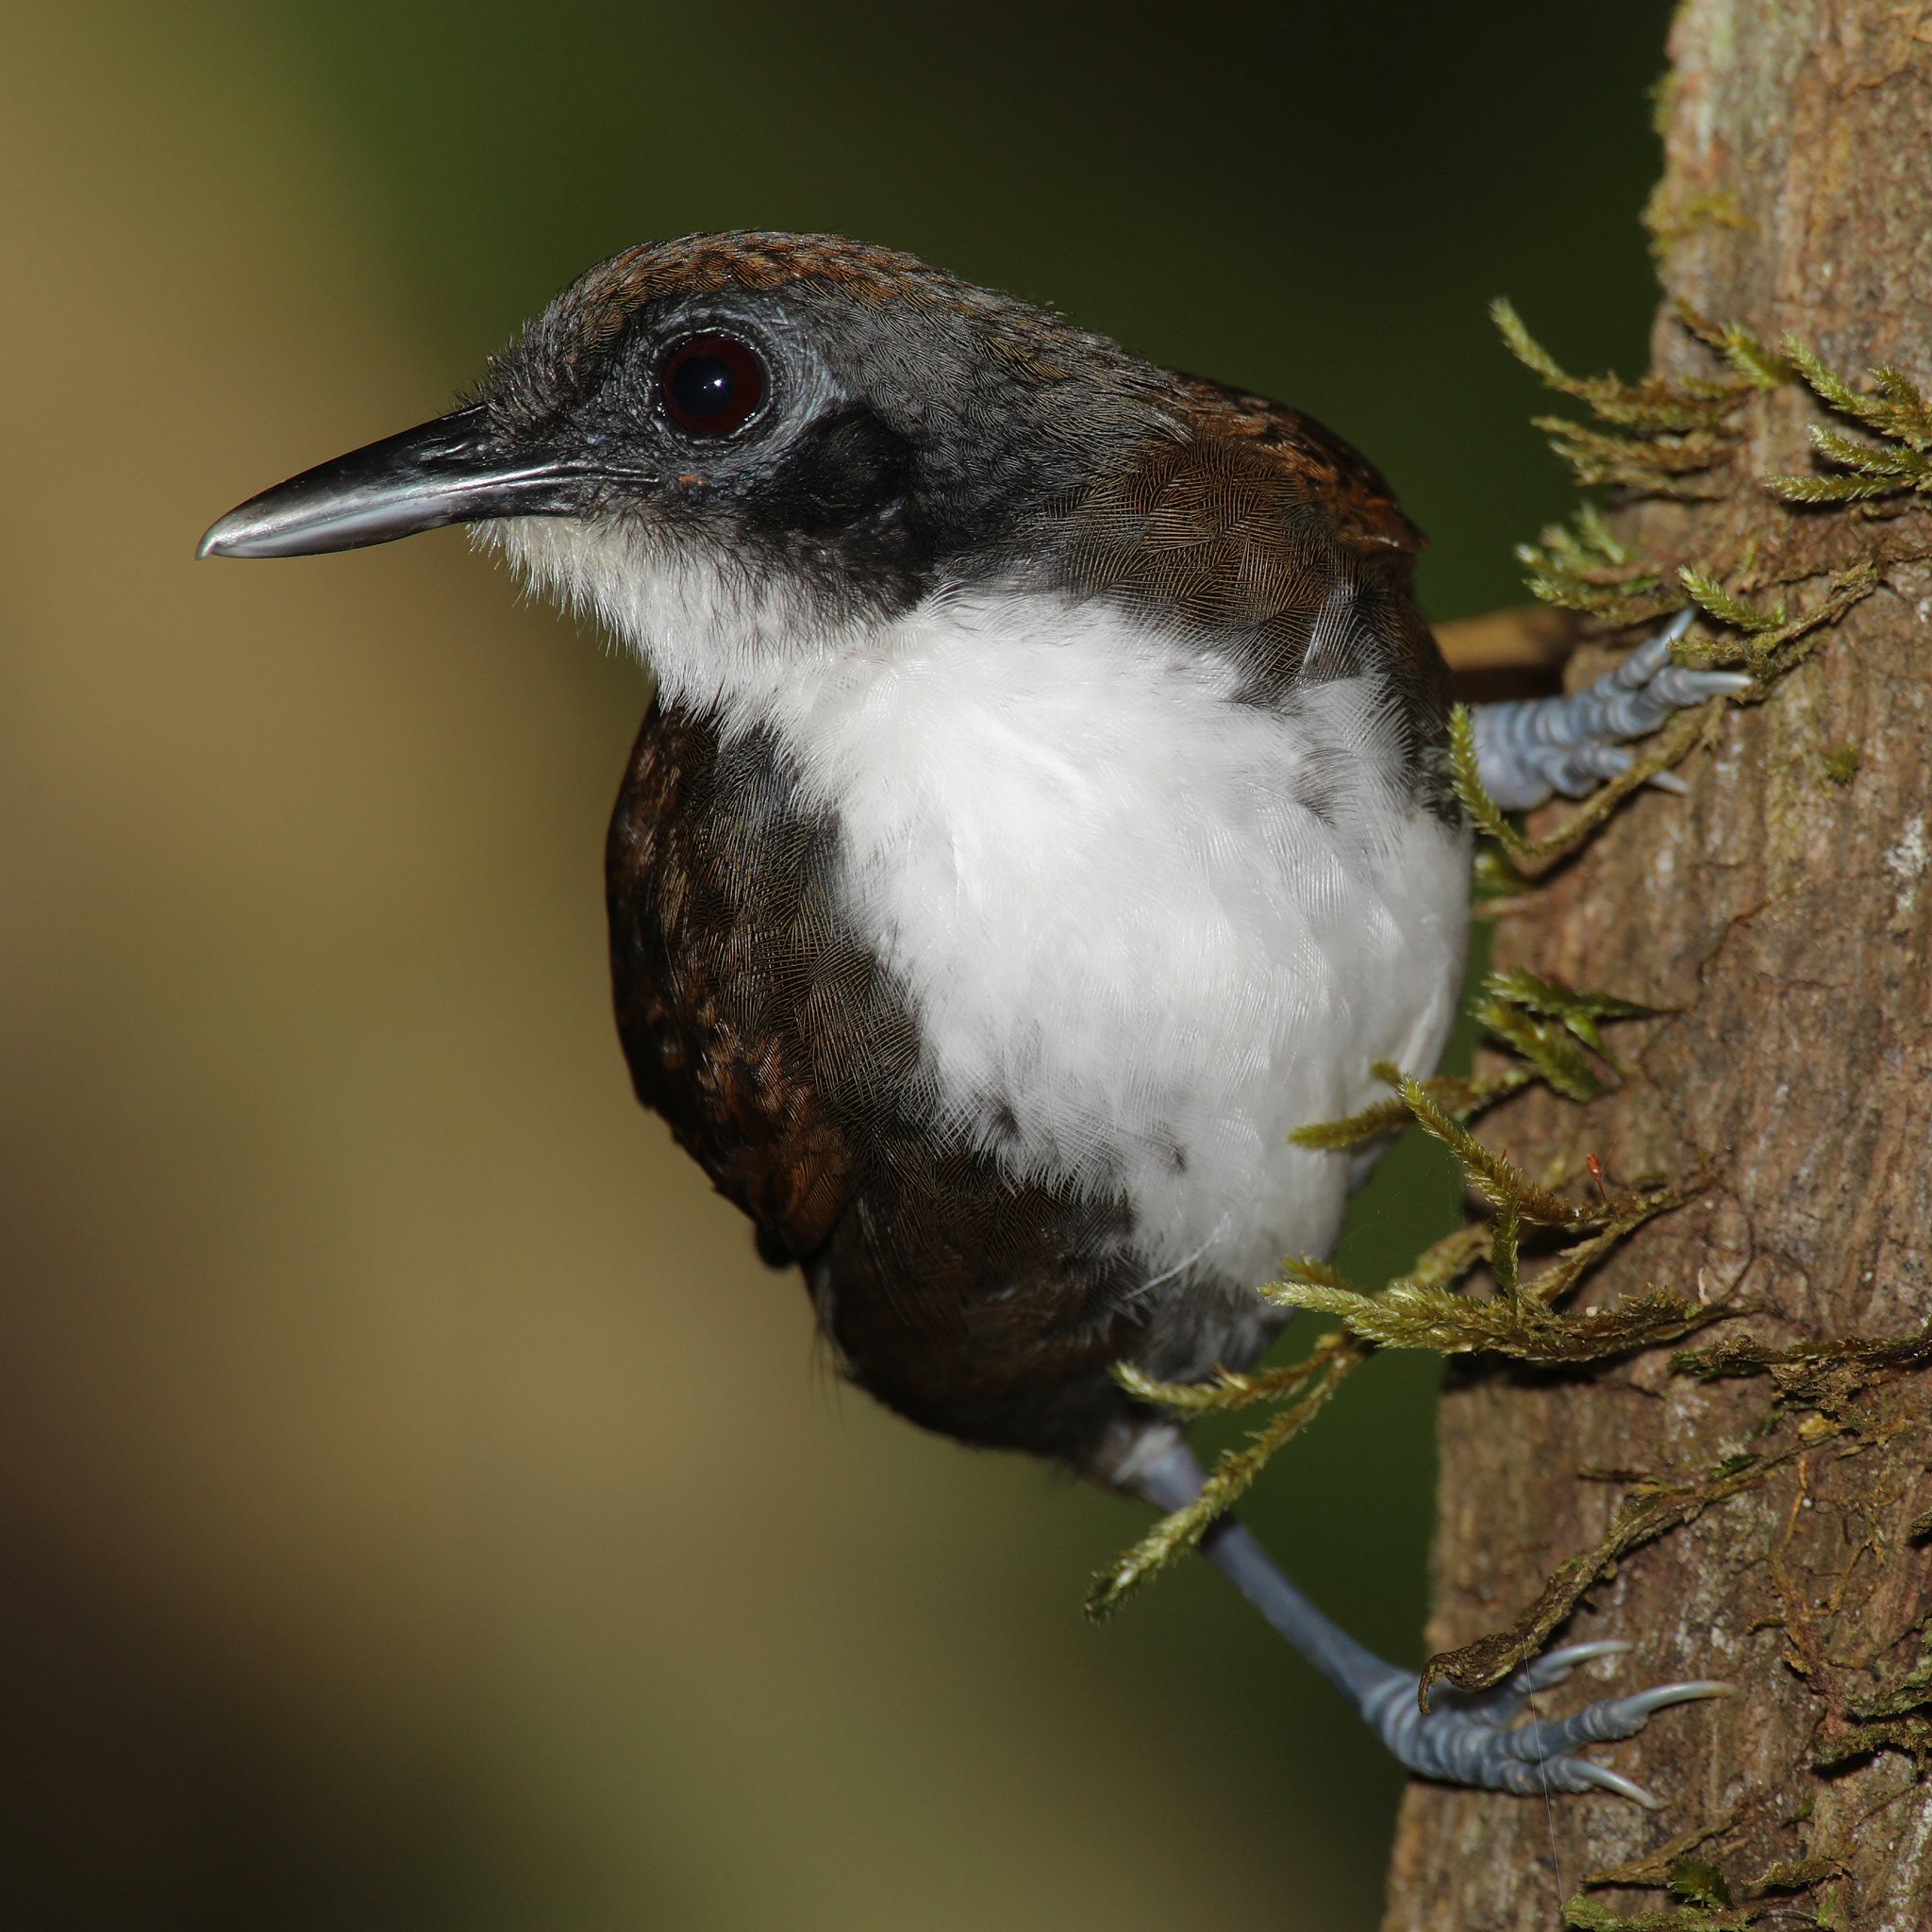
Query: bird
{"points": [[1044, 807]]}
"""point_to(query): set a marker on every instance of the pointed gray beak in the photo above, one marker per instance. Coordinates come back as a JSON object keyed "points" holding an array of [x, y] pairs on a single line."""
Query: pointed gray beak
{"points": [[439, 472]]}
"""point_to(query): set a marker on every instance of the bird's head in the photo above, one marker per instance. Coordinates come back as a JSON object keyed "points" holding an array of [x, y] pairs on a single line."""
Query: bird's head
{"points": [[800, 425]]}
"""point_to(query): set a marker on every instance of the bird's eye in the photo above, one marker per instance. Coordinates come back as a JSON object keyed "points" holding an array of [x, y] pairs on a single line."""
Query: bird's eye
{"points": [[712, 384]]}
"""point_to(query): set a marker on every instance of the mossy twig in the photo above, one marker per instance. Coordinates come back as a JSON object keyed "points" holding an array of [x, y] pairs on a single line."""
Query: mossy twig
{"points": [[1335, 1357], [1649, 1510]]}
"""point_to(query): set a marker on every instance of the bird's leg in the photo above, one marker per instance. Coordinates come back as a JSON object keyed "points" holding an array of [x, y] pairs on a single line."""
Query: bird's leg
{"points": [[1463, 1739], [1532, 747]]}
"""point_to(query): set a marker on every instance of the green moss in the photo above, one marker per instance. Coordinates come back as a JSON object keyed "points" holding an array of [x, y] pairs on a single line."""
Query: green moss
{"points": [[1672, 218], [1891, 407], [1700, 1882], [1587, 1915]]}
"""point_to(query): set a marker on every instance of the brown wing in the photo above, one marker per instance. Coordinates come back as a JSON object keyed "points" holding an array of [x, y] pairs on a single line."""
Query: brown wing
{"points": [[721, 945]]}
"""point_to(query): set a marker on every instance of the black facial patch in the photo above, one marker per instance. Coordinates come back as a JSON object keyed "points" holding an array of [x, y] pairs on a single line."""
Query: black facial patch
{"points": [[845, 505]]}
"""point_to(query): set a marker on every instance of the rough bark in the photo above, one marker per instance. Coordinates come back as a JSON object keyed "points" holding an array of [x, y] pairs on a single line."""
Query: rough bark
{"points": [[1789, 919]]}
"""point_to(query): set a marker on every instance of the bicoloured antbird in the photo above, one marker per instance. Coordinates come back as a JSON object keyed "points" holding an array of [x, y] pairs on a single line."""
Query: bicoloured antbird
{"points": [[1043, 809]]}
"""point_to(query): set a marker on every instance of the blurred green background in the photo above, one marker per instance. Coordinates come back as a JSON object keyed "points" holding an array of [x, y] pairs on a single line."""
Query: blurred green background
{"points": [[417, 1506]]}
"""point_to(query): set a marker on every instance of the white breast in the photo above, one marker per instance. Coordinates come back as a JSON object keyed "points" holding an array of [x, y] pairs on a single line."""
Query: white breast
{"points": [[1139, 961]]}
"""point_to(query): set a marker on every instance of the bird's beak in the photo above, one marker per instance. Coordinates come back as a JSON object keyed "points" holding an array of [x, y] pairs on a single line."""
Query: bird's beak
{"points": [[439, 472]]}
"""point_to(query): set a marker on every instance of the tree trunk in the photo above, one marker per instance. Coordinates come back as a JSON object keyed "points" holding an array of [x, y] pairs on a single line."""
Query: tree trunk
{"points": [[1784, 911]]}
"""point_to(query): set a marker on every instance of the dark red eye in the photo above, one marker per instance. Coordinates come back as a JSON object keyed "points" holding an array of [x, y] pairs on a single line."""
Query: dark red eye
{"points": [[712, 385]]}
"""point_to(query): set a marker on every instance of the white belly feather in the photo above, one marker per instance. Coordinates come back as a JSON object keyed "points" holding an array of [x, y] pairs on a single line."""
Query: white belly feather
{"points": [[1138, 958]]}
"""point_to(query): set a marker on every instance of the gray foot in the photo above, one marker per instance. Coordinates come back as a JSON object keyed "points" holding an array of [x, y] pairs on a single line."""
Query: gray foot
{"points": [[1463, 1739], [1532, 748], [1466, 1740]]}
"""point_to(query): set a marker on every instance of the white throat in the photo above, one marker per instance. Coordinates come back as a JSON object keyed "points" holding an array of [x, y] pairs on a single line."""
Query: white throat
{"points": [[1147, 929]]}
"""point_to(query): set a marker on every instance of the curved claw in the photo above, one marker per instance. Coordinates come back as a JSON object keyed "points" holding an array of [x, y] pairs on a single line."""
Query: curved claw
{"points": [[1546, 1673], [1678, 685], [1613, 1781], [1641, 1704], [1678, 627]]}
